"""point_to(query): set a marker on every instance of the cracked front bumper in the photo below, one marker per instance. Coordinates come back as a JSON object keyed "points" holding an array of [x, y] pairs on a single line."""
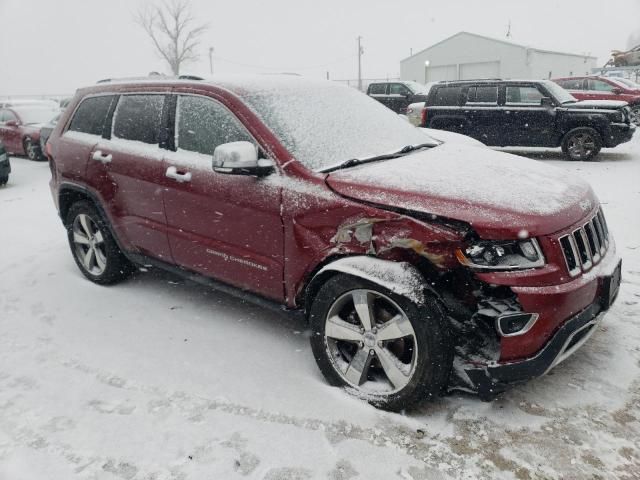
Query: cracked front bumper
{"points": [[492, 379]]}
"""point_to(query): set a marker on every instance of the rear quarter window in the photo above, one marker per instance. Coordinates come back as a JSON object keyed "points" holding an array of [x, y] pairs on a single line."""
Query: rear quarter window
{"points": [[91, 115], [446, 96]]}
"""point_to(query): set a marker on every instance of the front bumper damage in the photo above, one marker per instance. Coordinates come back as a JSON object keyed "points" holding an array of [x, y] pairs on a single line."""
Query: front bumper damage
{"points": [[493, 378]]}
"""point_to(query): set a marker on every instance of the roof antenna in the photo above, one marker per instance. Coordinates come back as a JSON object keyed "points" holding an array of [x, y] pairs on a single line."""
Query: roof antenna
{"points": [[509, 29]]}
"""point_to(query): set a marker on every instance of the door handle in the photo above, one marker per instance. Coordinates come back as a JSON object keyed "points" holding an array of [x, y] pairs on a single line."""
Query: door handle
{"points": [[172, 172], [99, 157]]}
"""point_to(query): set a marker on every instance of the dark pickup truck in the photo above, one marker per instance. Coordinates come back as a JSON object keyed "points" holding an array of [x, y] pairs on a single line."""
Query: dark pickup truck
{"points": [[509, 113]]}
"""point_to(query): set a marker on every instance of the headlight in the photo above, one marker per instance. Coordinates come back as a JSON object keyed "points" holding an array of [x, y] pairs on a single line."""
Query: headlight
{"points": [[502, 255], [3, 157]]}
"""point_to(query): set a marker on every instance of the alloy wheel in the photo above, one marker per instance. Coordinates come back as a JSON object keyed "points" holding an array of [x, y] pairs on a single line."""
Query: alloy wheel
{"points": [[581, 146], [635, 115], [89, 245], [30, 149], [370, 342]]}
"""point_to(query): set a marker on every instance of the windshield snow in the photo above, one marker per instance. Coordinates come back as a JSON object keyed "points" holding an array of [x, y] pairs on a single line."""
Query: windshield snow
{"points": [[323, 124], [30, 115]]}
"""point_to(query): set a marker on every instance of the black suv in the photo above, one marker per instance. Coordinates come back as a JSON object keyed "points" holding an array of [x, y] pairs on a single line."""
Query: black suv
{"points": [[397, 95], [528, 114]]}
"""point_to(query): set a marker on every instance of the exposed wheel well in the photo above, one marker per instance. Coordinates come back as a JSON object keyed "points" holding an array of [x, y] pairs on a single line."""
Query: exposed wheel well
{"points": [[68, 197], [315, 281]]}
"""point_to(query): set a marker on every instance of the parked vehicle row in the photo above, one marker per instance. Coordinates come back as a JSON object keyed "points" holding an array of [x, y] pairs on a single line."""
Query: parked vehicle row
{"points": [[20, 128], [528, 114], [404, 254]]}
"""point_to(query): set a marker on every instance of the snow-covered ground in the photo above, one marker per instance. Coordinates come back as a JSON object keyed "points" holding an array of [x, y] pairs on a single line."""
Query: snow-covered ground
{"points": [[158, 378]]}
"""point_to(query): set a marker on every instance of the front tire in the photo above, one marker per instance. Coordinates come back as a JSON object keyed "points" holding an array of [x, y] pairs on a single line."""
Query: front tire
{"points": [[31, 150], [581, 144], [635, 115], [93, 247], [378, 345], [3, 180]]}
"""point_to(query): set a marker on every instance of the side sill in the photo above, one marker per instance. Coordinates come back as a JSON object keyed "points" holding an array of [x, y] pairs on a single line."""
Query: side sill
{"points": [[297, 314]]}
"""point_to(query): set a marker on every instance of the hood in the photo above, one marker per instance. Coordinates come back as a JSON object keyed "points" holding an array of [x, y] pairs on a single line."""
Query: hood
{"points": [[498, 194], [445, 136], [597, 104]]}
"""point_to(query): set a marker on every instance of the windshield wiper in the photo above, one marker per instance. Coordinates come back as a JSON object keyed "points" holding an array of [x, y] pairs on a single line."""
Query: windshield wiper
{"points": [[352, 162]]}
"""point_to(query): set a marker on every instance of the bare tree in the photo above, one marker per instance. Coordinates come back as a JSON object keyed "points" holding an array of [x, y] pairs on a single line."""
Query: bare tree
{"points": [[174, 31]]}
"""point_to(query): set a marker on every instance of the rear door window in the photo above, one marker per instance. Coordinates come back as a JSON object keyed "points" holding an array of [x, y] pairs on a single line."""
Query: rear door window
{"points": [[139, 118], [203, 124], [447, 96], [575, 84], [378, 89], [486, 94], [599, 86], [91, 115], [523, 95]]}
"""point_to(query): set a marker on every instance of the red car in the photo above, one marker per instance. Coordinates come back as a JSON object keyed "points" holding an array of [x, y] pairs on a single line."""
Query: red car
{"points": [[20, 128], [604, 88], [421, 266]]}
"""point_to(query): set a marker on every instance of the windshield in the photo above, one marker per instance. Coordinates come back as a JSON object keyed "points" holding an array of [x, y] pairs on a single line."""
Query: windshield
{"points": [[31, 115], [416, 87], [323, 124], [559, 93]]}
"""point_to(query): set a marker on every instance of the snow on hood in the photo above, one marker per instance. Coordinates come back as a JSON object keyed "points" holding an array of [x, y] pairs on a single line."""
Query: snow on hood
{"points": [[598, 104], [445, 136], [499, 194]]}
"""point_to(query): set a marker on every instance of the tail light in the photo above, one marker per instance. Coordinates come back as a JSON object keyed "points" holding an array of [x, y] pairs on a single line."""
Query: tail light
{"points": [[423, 117]]}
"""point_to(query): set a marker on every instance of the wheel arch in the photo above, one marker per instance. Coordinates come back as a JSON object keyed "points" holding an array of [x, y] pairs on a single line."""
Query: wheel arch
{"points": [[400, 277], [68, 194]]}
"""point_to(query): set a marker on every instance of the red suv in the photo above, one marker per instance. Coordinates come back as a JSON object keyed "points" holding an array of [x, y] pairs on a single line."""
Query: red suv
{"points": [[604, 88], [420, 266]]}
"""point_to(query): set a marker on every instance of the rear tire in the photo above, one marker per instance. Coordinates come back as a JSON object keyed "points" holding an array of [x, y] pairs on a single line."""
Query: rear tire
{"points": [[581, 144], [31, 150], [93, 247], [3, 180], [401, 356]]}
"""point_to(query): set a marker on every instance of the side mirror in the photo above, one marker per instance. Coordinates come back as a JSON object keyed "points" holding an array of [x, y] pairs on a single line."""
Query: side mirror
{"points": [[547, 102], [12, 123], [241, 158], [616, 91]]}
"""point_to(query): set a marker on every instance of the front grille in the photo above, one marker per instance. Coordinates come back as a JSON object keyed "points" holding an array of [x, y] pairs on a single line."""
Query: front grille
{"points": [[585, 246]]}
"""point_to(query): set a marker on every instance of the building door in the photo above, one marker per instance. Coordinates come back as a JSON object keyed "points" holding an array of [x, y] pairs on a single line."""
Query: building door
{"points": [[479, 70]]}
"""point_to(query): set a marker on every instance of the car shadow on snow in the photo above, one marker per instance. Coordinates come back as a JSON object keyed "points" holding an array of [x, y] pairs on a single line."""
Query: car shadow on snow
{"points": [[556, 154], [196, 297]]}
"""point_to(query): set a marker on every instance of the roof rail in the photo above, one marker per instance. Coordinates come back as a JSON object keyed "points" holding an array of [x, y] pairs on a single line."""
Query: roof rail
{"points": [[151, 76]]}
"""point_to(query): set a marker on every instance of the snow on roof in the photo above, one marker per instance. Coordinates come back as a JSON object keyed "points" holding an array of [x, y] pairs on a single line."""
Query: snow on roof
{"points": [[496, 40]]}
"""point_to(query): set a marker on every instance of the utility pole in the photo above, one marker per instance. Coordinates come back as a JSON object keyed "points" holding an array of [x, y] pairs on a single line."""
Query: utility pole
{"points": [[211, 60], [509, 29], [360, 52]]}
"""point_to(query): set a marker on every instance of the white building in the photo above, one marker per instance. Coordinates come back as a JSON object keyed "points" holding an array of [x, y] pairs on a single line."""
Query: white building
{"points": [[466, 56]]}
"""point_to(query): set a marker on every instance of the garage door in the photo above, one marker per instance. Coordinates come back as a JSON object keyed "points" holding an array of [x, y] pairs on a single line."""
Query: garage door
{"points": [[471, 71], [439, 73]]}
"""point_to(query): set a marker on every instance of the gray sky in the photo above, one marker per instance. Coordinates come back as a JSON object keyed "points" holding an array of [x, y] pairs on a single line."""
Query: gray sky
{"points": [[53, 47]]}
